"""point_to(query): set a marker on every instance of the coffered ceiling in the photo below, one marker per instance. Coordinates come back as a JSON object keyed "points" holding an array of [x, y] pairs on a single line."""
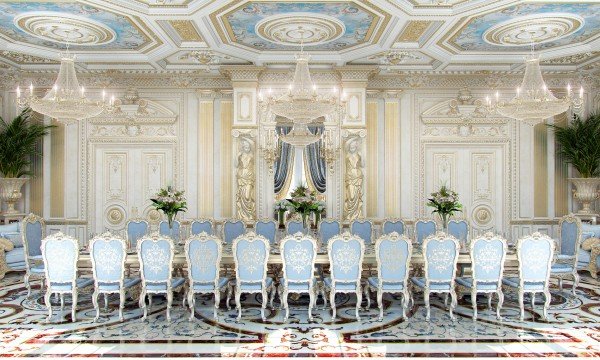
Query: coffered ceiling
{"points": [[397, 35]]}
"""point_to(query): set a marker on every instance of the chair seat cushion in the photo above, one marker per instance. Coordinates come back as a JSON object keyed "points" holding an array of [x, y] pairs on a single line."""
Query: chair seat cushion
{"points": [[294, 286], [440, 286], [127, 283], [514, 282], [175, 283], [14, 256], [210, 287], [80, 283], [387, 286], [561, 268], [37, 269], [256, 286], [340, 285], [468, 283]]}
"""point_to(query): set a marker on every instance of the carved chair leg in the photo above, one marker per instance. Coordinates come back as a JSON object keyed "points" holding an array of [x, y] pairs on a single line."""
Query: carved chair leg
{"points": [[359, 293], [521, 305], [332, 301], [121, 304], [452, 304], [547, 298], [474, 302], [367, 295], [238, 305], [74, 306], [27, 284], [380, 304], [426, 298], [217, 301], [169, 304], [48, 304], [575, 281], [265, 299], [499, 305], [95, 304], [286, 306]]}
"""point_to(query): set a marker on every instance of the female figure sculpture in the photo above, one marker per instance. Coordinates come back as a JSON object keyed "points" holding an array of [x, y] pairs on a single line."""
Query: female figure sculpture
{"points": [[354, 178], [246, 207]]}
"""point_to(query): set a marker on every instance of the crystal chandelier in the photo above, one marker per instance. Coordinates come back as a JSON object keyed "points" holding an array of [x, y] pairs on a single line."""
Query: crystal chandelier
{"points": [[66, 101], [302, 104], [534, 102]]}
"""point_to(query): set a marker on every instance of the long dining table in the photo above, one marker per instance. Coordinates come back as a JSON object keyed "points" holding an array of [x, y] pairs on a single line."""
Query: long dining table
{"points": [[322, 258]]}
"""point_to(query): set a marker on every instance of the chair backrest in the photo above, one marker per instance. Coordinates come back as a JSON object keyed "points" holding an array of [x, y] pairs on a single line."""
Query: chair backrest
{"points": [[174, 232], [202, 225], [294, 226], [329, 228], [266, 228], [60, 253], [136, 229], [392, 225], [232, 228], [33, 230], [203, 256], [441, 255], [488, 253], [298, 253], [393, 252], [250, 253], [424, 229], [155, 253], [535, 253], [362, 228], [459, 229], [569, 233], [108, 253], [346, 252]]}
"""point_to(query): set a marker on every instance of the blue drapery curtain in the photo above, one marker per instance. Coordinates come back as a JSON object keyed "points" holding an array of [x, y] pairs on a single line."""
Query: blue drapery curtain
{"points": [[317, 169], [282, 164]]}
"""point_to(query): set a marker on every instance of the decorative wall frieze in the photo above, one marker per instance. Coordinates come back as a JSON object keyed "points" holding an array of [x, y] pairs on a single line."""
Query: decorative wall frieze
{"points": [[356, 73], [465, 130], [241, 72], [132, 131], [207, 94], [130, 109], [286, 76]]}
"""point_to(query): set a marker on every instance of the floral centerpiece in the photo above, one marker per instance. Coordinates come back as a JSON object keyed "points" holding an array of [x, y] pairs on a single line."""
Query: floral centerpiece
{"points": [[170, 202], [281, 207], [445, 202], [304, 202]]}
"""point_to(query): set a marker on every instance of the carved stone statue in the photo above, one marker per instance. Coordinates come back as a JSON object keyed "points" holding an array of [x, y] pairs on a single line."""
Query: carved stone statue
{"points": [[354, 178], [245, 202]]}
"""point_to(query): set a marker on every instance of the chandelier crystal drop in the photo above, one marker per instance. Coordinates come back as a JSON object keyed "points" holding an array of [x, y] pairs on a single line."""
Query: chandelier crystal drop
{"points": [[66, 101], [302, 104], [534, 102], [300, 136]]}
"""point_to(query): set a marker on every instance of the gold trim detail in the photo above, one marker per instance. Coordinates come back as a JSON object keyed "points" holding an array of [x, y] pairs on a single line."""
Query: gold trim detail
{"points": [[205, 159], [226, 158], [413, 30], [57, 172], [391, 161], [540, 170], [186, 30], [371, 157]]}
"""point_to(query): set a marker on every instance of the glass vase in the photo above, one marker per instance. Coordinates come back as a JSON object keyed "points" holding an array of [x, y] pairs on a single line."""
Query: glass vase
{"points": [[281, 218]]}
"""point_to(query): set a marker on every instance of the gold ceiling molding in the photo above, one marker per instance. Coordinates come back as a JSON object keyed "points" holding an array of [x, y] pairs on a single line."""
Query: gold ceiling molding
{"points": [[186, 30], [21, 58], [413, 30]]}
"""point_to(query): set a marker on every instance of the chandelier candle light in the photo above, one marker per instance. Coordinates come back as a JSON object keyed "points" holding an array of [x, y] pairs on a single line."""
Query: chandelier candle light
{"points": [[534, 102], [66, 100]]}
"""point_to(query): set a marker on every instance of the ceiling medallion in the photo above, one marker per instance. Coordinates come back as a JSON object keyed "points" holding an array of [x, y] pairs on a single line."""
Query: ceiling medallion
{"points": [[537, 28], [295, 28], [63, 27]]}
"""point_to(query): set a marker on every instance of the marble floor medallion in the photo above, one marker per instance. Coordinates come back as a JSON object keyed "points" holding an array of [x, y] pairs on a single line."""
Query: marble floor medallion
{"points": [[572, 328]]}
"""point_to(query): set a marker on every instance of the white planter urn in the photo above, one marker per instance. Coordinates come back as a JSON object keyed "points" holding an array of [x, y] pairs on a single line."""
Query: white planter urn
{"points": [[586, 192], [10, 193]]}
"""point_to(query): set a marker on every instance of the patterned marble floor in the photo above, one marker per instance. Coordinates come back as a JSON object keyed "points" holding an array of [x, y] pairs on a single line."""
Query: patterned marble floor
{"points": [[573, 329]]}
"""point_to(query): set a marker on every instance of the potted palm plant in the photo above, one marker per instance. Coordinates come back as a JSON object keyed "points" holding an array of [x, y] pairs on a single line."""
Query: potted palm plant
{"points": [[579, 145], [18, 145]]}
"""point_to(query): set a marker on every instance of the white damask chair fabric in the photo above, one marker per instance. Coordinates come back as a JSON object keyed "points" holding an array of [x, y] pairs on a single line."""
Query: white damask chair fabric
{"points": [[266, 228], [329, 228], [534, 255], [155, 253], [199, 226], [60, 253], [570, 235], [33, 230], [441, 256], [173, 232], [362, 228], [251, 255], [203, 256], [424, 229], [136, 229], [294, 226], [108, 253], [393, 252], [298, 254], [346, 253], [233, 228], [460, 230], [393, 225], [488, 253]]}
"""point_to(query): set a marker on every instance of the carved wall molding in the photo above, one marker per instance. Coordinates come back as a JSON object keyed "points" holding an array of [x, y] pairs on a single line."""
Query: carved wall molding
{"points": [[245, 165]]}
